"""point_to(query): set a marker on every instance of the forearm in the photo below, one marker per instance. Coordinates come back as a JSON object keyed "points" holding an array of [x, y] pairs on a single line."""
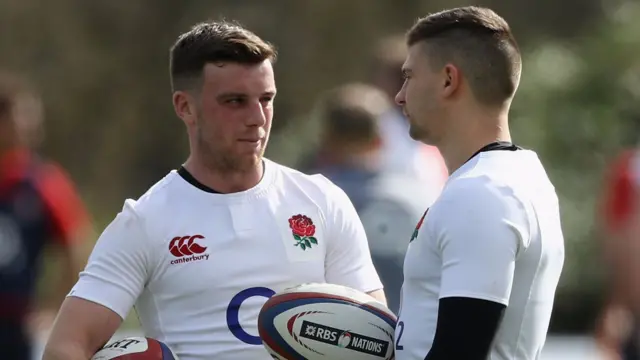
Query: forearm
{"points": [[80, 330]]}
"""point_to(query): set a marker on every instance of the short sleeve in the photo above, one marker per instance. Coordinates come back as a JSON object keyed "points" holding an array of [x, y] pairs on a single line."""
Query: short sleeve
{"points": [[480, 230], [348, 260], [119, 265]]}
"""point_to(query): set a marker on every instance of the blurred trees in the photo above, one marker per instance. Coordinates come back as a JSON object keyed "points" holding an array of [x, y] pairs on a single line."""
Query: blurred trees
{"points": [[578, 106], [103, 68]]}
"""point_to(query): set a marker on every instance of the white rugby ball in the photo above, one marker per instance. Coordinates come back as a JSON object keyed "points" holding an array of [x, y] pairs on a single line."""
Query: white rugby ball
{"points": [[326, 321]]}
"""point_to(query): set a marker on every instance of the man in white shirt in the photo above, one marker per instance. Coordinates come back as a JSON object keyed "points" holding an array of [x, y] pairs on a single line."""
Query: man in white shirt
{"points": [[201, 251], [483, 265]]}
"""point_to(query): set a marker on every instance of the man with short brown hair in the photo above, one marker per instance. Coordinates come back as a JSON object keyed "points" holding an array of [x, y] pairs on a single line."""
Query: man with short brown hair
{"points": [[484, 263], [201, 251], [480, 43]]}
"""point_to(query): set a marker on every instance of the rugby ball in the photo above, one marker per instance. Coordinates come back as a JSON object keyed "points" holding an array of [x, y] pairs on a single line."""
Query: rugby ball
{"points": [[328, 322], [135, 348]]}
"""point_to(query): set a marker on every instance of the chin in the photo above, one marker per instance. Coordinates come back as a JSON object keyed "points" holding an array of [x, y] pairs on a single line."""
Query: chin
{"points": [[416, 133], [256, 159], [251, 160], [422, 136], [246, 159]]}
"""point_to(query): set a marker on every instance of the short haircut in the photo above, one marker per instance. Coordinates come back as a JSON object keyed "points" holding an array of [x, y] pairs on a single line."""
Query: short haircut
{"points": [[351, 113], [480, 43], [214, 42]]}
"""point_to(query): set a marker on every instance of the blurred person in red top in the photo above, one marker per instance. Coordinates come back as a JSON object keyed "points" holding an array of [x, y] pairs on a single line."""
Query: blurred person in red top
{"points": [[39, 206], [618, 328]]}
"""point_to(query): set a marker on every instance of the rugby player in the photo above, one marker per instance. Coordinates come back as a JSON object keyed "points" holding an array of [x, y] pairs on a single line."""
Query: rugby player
{"points": [[203, 249], [481, 272]]}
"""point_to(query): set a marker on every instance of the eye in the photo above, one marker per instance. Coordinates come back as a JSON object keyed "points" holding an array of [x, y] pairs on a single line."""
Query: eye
{"points": [[235, 101], [266, 99]]}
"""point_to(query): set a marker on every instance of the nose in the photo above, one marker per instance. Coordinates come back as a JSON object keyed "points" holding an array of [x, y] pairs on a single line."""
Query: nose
{"points": [[257, 116], [400, 96]]}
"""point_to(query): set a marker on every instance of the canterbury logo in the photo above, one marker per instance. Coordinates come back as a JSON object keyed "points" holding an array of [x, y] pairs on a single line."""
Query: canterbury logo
{"points": [[186, 246]]}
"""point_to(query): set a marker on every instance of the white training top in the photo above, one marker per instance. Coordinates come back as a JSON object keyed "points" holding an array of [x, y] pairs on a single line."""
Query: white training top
{"points": [[199, 266], [493, 234]]}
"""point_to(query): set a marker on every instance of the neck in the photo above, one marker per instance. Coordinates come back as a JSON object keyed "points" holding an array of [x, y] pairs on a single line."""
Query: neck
{"points": [[222, 181], [473, 136]]}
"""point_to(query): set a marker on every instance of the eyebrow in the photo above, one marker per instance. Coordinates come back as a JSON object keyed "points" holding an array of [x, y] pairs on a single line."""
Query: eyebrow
{"points": [[230, 95]]}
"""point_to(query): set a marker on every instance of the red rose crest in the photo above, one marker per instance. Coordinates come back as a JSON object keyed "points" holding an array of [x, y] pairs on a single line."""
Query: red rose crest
{"points": [[303, 230]]}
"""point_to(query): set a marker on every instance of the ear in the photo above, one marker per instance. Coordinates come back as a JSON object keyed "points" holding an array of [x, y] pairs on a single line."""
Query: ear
{"points": [[185, 107], [451, 80]]}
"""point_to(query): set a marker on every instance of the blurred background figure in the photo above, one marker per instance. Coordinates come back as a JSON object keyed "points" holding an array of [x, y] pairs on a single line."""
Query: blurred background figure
{"points": [[390, 203], [400, 153], [618, 331], [38, 207]]}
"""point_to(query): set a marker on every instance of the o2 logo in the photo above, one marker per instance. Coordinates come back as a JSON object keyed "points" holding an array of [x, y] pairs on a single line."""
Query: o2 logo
{"points": [[399, 331], [233, 313]]}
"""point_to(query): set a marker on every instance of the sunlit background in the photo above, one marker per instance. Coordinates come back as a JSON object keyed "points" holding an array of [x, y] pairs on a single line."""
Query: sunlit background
{"points": [[102, 69]]}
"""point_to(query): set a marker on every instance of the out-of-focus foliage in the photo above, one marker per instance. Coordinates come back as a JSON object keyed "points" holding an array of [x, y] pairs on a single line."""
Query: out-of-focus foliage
{"points": [[578, 105], [103, 69]]}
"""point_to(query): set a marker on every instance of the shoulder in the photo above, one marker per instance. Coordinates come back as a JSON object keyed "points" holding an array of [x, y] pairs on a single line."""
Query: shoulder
{"points": [[480, 198], [316, 186], [308, 181], [56, 189], [156, 198], [496, 180], [46, 168], [49, 175], [480, 214]]}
